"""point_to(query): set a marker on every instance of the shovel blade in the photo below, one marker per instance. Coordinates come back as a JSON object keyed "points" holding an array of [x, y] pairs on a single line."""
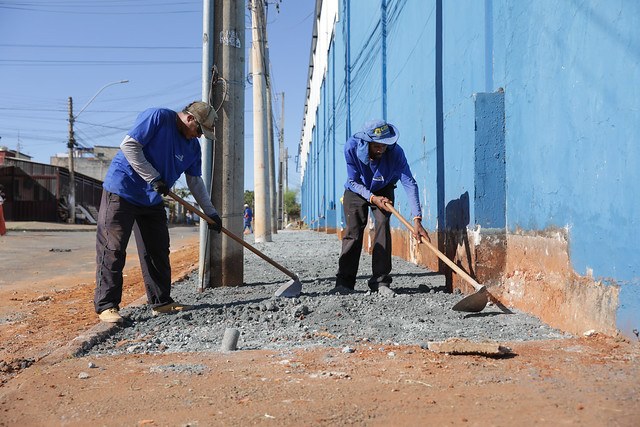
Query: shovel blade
{"points": [[473, 303], [291, 289]]}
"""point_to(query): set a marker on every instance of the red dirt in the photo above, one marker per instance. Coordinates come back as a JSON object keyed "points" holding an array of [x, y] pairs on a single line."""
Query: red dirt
{"points": [[585, 381]]}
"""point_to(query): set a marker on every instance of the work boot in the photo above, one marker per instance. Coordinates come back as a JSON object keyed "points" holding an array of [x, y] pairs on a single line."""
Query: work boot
{"points": [[171, 308], [111, 315], [341, 290]]}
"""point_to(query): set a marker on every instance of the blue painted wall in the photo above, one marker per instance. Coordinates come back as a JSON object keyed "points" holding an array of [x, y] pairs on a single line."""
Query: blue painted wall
{"points": [[490, 190], [571, 77], [573, 129]]}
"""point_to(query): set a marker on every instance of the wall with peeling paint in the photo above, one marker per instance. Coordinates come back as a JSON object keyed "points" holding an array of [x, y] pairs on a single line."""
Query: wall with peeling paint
{"points": [[566, 76]]}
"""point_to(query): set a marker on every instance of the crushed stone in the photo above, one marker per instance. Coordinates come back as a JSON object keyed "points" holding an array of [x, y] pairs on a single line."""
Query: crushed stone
{"points": [[419, 312]]}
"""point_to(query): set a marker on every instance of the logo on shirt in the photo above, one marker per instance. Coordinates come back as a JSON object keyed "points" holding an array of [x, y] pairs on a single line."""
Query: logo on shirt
{"points": [[378, 178], [179, 157]]}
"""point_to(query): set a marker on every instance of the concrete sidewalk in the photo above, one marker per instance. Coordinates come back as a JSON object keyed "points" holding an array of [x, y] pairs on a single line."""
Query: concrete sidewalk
{"points": [[41, 255], [61, 226], [46, 226]]}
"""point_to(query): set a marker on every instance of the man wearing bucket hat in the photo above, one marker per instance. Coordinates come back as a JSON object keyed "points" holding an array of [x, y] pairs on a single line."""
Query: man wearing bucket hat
{"points": [[375, 163], [161, 145]]}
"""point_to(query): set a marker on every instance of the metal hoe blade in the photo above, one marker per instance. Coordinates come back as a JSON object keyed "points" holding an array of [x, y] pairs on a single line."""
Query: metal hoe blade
{"points": [[291, 289], [473, 303]]}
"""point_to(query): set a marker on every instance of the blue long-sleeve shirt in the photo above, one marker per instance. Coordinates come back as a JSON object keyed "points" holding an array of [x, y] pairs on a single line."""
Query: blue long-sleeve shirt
{"points": [[366, 176]]}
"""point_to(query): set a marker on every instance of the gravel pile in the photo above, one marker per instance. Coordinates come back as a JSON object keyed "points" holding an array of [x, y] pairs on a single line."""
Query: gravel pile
{"points": [[418, 313]]}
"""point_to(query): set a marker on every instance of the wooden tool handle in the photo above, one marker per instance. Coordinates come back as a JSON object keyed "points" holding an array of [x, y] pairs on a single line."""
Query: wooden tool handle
{"points": [[440, 255], [190, 207]]}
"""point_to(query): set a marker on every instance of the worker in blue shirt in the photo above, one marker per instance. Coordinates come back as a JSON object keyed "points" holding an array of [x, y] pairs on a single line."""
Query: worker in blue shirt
{"points": [[158, 149], [248, 217], [375, 163]]}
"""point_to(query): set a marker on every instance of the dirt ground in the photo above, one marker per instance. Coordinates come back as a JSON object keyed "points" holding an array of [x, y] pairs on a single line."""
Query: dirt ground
{"points": [[584, 381]]}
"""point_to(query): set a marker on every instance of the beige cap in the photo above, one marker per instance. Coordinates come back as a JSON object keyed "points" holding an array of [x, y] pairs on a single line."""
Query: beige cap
{"points": [[206, 115]]}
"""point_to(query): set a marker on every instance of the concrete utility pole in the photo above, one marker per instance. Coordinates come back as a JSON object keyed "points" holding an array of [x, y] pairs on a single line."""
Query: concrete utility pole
{"points": [[281, 223], [286, 169], [207, 148], [285, 215], [260, 153], [270, 139], [72, 176], [228, 175]]}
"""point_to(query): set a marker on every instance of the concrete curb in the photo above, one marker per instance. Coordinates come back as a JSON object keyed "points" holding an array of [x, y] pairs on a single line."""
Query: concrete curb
{"points": [[91, 337], [87, 339], [36, 226], [45, 230], [80, 343]]}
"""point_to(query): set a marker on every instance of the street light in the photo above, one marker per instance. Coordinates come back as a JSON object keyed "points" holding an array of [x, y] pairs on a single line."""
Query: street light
{"points": [[71, 144]]}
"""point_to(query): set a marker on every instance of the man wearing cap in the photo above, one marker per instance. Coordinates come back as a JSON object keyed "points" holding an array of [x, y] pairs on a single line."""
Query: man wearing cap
{"points": [[375, 162], [161, 145], [248, 217]]}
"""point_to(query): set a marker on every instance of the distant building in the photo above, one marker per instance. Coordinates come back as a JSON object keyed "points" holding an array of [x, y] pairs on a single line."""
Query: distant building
{"points": [[39, 192], [95, 166], [6, 153], [520, 122]]}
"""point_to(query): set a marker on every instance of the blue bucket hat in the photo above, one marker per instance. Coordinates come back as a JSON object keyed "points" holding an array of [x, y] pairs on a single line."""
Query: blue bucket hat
{"points": [[378, 131]]}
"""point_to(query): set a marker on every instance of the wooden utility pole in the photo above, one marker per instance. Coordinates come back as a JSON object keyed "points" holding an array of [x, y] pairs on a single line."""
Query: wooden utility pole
{"points": [[260, 149]]}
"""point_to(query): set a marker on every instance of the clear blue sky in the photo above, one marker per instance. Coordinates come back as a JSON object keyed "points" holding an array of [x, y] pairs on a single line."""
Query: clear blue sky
{"points": [[51, 50]]}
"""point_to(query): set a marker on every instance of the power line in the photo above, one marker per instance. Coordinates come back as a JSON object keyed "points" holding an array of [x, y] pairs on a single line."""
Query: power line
{"points": [[61, 46], [102, 126], [25, 62], [101, 8]]}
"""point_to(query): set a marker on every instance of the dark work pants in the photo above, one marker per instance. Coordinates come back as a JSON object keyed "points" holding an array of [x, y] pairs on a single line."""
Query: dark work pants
{"points": [[116, 219], [356, 210]]}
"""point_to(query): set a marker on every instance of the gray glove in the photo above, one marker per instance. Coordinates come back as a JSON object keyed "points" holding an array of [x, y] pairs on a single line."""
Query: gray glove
{"points": [[160, 187]]}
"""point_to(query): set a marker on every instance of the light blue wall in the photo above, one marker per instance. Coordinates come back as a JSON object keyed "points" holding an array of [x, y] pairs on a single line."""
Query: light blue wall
{"points": [[490, 201], [571, 77], [573, 126], [411, 99]]}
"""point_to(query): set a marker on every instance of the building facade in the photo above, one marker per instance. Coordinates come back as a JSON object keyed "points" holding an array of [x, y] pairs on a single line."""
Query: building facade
{"points": [[520, 124], [38, 192]]}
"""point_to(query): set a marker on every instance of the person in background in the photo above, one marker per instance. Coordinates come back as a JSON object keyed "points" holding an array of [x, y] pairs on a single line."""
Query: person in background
{"points": [[375, 162], [248, 217], [161, 145], [3, 226]]}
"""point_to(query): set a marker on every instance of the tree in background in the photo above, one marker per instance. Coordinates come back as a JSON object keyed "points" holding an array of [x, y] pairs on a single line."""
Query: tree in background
{"points": [[182, 192], [249, 198], [176, 211], [291, 206]]}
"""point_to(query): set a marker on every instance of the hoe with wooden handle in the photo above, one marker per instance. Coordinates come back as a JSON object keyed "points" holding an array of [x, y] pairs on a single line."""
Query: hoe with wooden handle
{"points": [[471, 303], [291, 289]]}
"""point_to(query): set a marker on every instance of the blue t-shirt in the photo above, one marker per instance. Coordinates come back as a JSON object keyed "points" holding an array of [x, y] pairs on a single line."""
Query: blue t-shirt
{"points": [[366, 176], [248, 215], [168, 151]]}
